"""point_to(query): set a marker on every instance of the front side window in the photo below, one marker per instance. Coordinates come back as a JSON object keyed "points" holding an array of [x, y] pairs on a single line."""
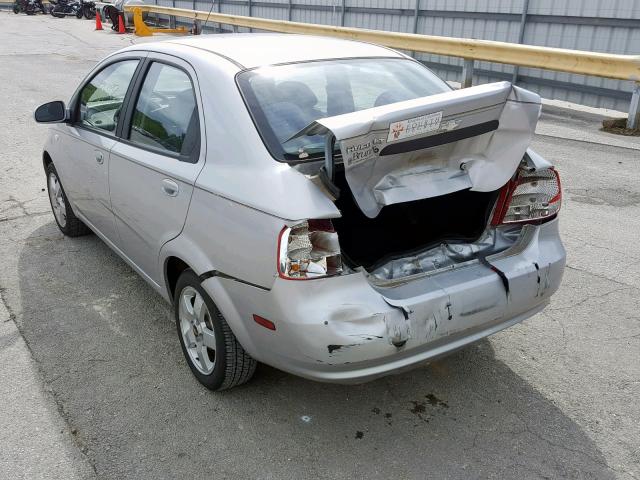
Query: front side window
{"points": [[286, 98], [101, 99], [166, 116]]}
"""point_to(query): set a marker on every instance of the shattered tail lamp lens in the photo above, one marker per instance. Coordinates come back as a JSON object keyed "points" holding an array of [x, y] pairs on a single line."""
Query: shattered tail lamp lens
{"points": [[536, 195], [309, 250]]}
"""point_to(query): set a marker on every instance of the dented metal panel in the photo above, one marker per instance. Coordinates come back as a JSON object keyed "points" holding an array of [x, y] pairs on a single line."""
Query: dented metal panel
{"points": [[472, 138]]}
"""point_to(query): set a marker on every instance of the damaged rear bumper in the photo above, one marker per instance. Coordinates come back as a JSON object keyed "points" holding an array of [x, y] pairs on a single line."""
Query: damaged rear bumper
{"points": [[343, 329]]}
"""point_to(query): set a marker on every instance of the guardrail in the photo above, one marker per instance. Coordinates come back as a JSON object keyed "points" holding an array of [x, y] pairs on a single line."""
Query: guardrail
{"points": [[620, 67]]}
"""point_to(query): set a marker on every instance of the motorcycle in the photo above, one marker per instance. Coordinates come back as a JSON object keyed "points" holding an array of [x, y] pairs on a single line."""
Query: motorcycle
{"points": [[62, 8], [88, 9], [30, 7]]}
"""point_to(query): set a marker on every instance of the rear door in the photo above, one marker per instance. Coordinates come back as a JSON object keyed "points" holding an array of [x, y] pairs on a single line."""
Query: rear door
{"points": [[155, 163], [98, 106]]}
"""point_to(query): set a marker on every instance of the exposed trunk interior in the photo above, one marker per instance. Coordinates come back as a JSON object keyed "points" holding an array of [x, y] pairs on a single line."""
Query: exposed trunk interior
{"points": [[405, 229]]}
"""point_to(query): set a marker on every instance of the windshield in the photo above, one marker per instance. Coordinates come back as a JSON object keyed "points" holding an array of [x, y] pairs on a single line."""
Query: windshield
{"points": [[284, 99]]}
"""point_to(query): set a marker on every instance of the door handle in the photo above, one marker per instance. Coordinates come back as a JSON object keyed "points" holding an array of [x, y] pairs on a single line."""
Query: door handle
{"points": [[99, 157], [170, 187]]}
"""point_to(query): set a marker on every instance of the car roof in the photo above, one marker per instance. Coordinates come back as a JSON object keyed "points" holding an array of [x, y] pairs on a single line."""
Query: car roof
{"points": [[250, 50]]}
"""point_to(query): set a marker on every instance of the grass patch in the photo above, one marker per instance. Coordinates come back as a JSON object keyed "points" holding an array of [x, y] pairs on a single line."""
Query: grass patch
{"points": [[618, 126]]}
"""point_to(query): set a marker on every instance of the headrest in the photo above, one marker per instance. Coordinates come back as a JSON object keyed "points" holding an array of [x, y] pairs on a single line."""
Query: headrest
{"points": [[297, 93]]}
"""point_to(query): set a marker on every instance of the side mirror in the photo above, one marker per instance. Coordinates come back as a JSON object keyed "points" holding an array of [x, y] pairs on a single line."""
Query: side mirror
{"points": [[52, 112]]}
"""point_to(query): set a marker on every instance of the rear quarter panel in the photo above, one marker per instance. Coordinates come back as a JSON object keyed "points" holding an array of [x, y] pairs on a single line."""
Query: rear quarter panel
{"points": [[228, 237], [243, 197]]}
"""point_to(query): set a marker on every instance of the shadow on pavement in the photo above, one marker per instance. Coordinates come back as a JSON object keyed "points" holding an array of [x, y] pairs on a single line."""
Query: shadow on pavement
{"points": [[108, 349]]}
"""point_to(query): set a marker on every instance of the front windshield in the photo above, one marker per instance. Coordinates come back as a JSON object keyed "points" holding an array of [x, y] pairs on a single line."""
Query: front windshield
{"points": [[284, 99]]}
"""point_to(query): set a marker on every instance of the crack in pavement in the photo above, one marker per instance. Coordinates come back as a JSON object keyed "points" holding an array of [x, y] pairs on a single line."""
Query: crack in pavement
{"points": [[586, 299], [5, 303], [26, 215], [603, 277]]}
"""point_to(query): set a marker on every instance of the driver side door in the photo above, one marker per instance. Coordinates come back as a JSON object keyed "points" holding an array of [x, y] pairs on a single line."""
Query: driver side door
{"points": [[92, 135]]}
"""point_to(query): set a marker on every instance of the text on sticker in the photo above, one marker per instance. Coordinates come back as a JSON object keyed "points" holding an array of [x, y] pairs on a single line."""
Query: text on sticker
{"points": [[414, 126]]}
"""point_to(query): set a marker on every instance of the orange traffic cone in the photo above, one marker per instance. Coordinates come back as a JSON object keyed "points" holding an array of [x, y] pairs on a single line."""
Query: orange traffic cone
{"points": [[98, 20], [121, 24]]}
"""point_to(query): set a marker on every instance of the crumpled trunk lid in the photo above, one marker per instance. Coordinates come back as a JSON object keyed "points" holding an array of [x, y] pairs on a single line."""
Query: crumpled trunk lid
{"points": [[472, 138]]}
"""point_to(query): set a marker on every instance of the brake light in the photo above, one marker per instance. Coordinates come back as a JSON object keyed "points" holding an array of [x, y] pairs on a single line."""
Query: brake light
{"points": [[309, 250], [532, 196]]}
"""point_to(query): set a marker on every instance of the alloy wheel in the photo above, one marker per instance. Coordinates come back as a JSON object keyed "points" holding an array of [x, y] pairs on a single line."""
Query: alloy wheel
{"points": [[57, 200], [196, 327]]}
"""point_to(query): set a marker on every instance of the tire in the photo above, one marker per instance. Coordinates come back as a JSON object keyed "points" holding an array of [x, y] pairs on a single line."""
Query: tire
{"points": [[16, 8], [79, 13], [68, 223], [89, 13], [228, 365]]}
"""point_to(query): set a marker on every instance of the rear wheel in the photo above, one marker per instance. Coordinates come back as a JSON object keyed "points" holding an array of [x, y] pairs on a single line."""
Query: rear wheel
{"points": [[16, 8], [212, 351], [79, 13], [67, 221]]}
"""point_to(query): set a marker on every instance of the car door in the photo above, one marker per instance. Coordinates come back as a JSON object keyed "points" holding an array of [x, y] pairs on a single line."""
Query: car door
{"points": [[91, 136], [155, 164]]}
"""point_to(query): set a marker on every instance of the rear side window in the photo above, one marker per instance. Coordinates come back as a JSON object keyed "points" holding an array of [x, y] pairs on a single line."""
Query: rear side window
{"points": [[165, 116], [101, 99]]}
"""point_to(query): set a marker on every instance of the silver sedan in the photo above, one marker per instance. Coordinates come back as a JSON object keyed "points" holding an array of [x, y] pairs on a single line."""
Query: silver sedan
{"points": [[330, 208]]}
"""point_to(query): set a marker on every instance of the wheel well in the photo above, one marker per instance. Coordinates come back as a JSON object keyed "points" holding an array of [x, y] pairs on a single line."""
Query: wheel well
{"points": [[46, 160], [174, 267]]}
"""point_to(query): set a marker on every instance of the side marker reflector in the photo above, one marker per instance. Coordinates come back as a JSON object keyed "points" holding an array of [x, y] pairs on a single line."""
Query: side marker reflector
{"points": [[264, 322]]}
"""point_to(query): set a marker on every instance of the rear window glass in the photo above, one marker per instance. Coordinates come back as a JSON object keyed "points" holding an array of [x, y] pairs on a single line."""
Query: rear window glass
{"points": [[284, 99]]}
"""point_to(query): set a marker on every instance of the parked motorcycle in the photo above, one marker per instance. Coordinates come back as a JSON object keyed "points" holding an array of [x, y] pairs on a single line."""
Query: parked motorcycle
{"points": [[62, 8], [30, 7], [88, 9]]}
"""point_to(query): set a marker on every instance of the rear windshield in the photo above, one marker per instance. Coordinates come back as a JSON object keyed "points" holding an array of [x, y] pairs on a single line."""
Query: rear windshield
{"points": [[284, 99]]}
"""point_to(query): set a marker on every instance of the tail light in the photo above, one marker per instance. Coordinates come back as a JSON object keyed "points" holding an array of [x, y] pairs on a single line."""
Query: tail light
{"points": [[532, 196], [309, 250]]}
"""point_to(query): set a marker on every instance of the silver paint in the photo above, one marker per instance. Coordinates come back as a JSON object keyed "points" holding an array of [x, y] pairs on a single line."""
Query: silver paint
{"points": [[232, 204]]}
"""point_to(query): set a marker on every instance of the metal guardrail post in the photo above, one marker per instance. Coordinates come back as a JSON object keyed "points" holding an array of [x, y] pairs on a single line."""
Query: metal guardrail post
{"points": [[250, 3], [289, 10], [342, 11], [633, 121], [467, 73], [218, 4], [523, 25], [416, 13]]}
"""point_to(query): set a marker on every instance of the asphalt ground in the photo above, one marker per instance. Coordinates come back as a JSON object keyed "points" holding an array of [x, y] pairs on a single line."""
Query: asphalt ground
{"points": [[93, 382]]}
